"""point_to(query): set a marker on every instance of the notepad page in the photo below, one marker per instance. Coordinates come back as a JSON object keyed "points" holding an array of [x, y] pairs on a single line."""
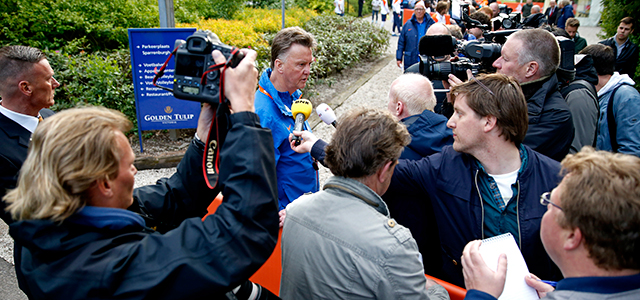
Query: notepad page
{"points": [[515, 287]]}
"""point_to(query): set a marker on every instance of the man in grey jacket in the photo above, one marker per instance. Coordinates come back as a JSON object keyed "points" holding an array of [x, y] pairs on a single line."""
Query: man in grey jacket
{"points": [[590, 230], [340, 242]]}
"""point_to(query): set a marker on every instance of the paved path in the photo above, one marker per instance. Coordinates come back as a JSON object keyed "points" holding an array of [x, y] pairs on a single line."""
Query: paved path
{"points": [[371, 91]]}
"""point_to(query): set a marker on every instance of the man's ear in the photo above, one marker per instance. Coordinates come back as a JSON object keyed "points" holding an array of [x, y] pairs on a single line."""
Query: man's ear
{"points": [[490, 123], [532, 68], [100, 193], [399, 108], [278, 66], [383, 173], [24, 88], [573, 240]]}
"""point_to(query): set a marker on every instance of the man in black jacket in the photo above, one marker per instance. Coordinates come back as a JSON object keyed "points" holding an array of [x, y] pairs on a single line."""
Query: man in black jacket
{"points": [[626, 51], [551, 13], [82, 232], [27, 87], [532, 57]]}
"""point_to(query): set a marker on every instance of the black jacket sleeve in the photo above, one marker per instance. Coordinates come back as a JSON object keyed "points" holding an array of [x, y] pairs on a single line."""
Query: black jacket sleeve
{"points": [[212, 256]]}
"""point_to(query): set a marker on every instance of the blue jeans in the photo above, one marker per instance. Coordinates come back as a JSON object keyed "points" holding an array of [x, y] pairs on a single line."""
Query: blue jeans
{"points": [[374, 14]]}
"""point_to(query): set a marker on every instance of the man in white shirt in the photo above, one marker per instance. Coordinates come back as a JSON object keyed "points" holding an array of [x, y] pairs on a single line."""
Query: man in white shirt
{"points": [[27, 88]]}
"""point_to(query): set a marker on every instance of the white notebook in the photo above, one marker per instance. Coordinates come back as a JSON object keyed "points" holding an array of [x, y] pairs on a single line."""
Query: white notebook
{"points": [[515, 287]]}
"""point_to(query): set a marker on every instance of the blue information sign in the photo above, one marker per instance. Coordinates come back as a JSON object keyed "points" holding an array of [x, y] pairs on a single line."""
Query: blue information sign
{"points": [[157, 108]]}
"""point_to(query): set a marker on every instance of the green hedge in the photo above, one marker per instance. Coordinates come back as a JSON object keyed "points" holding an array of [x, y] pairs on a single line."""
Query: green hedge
{"points": [[101, 78], [612, 12], [74, 25], [343, 42], [104, 78]]}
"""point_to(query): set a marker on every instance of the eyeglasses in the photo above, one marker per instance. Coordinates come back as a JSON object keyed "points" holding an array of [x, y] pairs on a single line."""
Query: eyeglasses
{"points": [[419, 9], [545, 199], [482, 85]]}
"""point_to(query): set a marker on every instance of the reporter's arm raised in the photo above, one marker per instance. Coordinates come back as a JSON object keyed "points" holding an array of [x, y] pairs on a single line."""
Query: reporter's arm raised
{"points": [[239, 87]]}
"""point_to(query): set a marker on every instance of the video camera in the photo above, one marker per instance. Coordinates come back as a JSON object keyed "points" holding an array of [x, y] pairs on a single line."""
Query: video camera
{"points": [[477, 57], [506, 19], [197, 77]]}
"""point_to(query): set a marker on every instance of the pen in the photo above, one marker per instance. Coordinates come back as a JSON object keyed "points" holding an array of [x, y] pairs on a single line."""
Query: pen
{"points": [[551, 283]]}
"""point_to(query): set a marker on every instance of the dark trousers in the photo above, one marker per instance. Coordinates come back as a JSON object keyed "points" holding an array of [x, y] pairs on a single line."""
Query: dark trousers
{"points": [[397, 22], [360, 3]]}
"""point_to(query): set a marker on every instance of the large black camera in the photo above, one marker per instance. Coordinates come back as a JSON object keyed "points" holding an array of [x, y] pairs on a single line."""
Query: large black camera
{"points": [[194, 78], [506, 18], [477, 57]]}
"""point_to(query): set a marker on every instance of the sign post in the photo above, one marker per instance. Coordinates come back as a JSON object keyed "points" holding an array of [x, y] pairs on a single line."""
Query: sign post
{"points": [[157, 109]]}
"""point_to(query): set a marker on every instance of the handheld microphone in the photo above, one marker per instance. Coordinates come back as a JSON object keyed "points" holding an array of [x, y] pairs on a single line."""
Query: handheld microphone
{"points": [[326, 114], [301, 110]]}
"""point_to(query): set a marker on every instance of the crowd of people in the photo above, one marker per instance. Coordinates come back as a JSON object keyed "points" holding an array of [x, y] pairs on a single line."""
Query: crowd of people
{"points": [[553, 161]]}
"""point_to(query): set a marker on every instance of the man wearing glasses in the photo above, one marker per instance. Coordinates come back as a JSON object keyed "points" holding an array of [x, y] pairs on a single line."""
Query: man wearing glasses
{"points": [[590, 230], [488, 183], [412, 31]]}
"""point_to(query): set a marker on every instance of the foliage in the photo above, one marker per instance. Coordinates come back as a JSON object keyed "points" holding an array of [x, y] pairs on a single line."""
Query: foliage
{"points": [[190, 11], [344, 41], [612, 12], [351, 7], [253, 28], [74, 25], [86, 33], [99, 78]]}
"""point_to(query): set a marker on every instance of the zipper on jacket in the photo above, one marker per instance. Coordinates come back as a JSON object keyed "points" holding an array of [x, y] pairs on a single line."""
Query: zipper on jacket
{"points": [[518, 217], [481, 204]]}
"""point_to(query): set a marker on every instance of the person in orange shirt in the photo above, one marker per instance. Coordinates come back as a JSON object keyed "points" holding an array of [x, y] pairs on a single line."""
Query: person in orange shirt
{"points": [[441, 15]]}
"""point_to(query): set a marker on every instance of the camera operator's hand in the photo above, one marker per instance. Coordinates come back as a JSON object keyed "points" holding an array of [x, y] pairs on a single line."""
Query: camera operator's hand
{"points": [[453, 80], [240, 82], [308, 140], [204, 121]]}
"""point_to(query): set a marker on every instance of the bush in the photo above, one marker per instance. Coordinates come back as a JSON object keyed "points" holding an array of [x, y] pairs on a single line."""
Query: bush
{"points": [[94, 79], [613, 11], [74, 25], [344, 41], [254, 29], [190, 11], [104, 78]]}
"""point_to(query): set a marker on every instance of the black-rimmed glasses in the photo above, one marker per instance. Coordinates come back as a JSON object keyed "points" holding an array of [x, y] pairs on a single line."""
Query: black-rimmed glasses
{"points": [[545, 199]]}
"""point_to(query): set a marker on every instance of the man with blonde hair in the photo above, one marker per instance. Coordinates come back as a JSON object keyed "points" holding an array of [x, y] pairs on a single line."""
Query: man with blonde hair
{"points": [[83, 232], [590, 230]]}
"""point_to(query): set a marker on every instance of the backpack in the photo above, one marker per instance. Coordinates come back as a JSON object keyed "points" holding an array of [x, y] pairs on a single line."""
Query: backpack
{"points": [[610, 117], [591, 91]]}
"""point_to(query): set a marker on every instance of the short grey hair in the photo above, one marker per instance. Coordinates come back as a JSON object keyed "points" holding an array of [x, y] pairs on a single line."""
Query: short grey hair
{"points": [[540, 46], [415, 91]]}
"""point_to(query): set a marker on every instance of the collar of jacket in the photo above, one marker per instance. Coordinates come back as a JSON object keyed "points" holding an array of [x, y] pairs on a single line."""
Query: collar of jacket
{"points": [[106, 217], [359, 191], [536, 92], [283, 100]]}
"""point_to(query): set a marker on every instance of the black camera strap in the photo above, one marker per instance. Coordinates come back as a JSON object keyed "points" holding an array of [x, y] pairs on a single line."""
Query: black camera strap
{"points": [[220, 125]]}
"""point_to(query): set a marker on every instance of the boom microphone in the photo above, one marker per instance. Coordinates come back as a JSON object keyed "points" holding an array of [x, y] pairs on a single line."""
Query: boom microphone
{"points": [[301, 109], [326, 114]]}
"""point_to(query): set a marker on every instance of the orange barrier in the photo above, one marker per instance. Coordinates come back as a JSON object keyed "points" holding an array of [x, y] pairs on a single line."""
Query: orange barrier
{"points": [[455, 292], [407, 13], [268, 276]]}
